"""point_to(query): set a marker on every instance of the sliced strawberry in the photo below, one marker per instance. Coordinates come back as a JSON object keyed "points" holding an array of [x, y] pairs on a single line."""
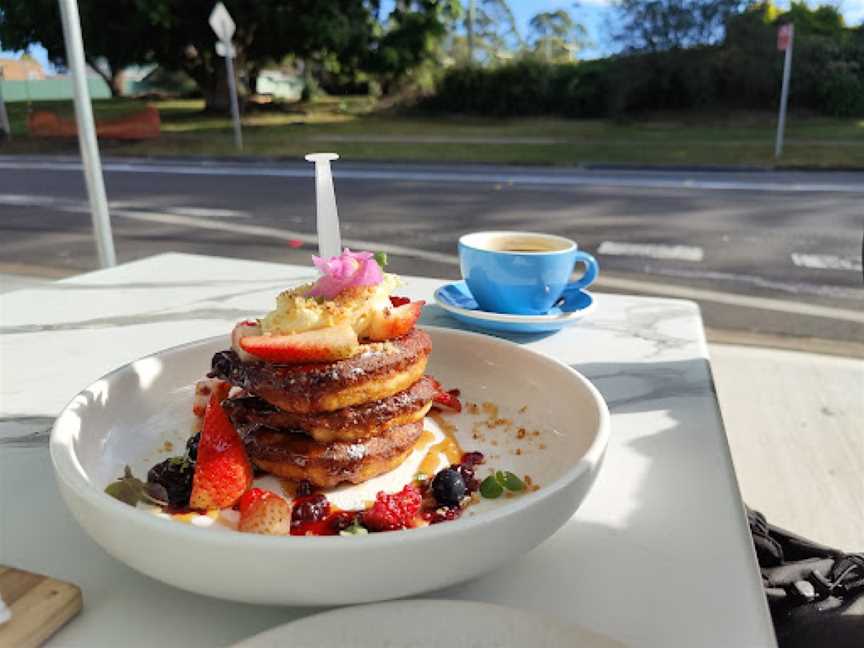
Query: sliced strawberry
{"points": [[222, 471], [394, 322], [399, 301], [444, 399], [263, 511], [321, 345]]}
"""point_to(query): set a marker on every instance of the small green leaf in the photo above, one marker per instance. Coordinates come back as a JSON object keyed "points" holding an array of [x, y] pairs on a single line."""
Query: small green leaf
{"points": [[381, 258], [131, 490], [123, 491], [510, 481], [490, 488], [354, 530]]}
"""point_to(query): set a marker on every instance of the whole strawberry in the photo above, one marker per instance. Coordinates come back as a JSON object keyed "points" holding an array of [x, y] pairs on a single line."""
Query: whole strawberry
{"points": [[263, 511]]}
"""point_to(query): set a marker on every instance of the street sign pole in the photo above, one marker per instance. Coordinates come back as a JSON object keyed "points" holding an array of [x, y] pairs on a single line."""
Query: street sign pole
{"points": [[785, 39], [235, 104], [4, 118], [223, 26], [87, 133]]}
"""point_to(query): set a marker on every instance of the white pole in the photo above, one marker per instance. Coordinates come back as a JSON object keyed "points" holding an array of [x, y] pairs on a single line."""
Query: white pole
{"points": [[4, 118], [87, 133], [327, 218], [235, 105], [784, 94]]}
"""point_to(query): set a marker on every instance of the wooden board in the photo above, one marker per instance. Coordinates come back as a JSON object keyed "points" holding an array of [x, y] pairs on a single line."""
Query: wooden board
{"points": [[39, 605]]}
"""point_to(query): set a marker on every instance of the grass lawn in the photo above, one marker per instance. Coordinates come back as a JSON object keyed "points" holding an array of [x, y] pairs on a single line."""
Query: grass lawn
{"points": [[353, 128]]}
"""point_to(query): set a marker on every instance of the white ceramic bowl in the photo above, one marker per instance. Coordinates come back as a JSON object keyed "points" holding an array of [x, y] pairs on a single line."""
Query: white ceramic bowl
{"points": [[127, 415]]}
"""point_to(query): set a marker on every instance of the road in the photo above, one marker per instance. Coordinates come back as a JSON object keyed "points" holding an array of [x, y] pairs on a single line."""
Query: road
{"points": [[767, 254]]}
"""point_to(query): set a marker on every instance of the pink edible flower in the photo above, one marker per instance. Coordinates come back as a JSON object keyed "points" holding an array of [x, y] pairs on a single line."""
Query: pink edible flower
{"points": [[347, 270]]}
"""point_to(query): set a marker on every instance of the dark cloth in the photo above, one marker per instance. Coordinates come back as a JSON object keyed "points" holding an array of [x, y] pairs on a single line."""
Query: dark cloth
{"points": [[816, 593]]}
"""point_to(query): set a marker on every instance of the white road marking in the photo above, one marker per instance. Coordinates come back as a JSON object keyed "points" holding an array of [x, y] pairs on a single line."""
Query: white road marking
{"points": [[793, 288], [653, 250], [733, 299], [825, 262], [281, 234], [28, 201], [577, 178], [650, 287], [452, 259], [203, 212], [206, 212], [74, 205]]}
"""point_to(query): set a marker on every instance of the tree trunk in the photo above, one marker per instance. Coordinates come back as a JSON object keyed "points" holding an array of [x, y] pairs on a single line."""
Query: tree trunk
{"points": [[109, 80], [215, 90], [116, 84]]}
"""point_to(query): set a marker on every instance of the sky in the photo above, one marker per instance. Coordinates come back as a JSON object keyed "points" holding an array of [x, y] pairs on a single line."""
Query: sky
{"points": [[596, 15]]}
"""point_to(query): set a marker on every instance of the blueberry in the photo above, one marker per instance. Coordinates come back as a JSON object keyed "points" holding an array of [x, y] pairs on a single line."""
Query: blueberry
{"points": [[175, 476], [192, 446], [448, 487]]}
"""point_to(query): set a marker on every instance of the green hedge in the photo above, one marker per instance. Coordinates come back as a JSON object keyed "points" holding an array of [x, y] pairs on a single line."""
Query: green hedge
{"points": [[743, 73]]}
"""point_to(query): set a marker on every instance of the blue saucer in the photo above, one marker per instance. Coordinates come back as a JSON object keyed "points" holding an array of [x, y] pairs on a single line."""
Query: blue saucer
{"points": [[456, 299]]}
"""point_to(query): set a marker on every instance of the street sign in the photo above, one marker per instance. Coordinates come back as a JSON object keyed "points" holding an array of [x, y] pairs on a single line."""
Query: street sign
{"points": [[222, 23], [225, 50], [784, 36]]}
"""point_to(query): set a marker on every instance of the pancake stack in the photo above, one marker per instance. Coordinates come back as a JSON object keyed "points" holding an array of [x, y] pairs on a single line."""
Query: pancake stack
{"points": [[331, 422]]}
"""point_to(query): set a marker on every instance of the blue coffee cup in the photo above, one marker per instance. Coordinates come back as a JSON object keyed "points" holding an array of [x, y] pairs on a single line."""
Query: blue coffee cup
{"points": [[521, 273]]}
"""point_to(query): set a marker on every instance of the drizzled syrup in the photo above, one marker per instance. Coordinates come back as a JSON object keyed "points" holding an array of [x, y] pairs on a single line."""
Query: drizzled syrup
{"points": [[448, 446]]}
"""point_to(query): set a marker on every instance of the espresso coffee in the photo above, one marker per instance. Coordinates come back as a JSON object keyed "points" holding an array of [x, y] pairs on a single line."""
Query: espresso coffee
{"points": [[523, 246], [524, 249]]}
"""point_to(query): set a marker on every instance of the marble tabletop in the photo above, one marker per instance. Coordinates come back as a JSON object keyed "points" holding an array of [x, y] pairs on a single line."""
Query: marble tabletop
{"points": [[658, 555]]}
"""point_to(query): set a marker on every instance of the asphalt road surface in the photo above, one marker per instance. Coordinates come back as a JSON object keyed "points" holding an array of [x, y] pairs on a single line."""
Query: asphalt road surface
{"points": [[768, 255]]}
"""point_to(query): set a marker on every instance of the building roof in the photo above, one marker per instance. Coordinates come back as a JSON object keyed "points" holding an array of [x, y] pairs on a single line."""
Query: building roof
{"points": [[21, 69]]}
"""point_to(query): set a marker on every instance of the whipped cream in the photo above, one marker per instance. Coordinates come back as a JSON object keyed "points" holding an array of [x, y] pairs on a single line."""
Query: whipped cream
{"points": [[297, 312]]}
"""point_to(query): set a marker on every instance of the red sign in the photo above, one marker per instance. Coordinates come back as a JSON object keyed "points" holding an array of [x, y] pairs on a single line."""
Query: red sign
{"points": [[784, 36]]}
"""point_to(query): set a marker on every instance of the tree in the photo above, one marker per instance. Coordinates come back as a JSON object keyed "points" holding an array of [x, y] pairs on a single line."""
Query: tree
{"points": [[176, 35], [267, 31], [657, 25], [412, 36], [557, 37], [824, 20], [113, 39], [496, 34]]}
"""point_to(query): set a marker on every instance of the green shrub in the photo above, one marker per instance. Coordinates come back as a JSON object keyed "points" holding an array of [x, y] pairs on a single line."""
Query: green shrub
{"points": [[841, 90], [742, 73]]}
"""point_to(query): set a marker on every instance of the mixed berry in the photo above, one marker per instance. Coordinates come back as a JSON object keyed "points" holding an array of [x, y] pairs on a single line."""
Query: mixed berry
{"points": [[214, 473], [175, 476]]}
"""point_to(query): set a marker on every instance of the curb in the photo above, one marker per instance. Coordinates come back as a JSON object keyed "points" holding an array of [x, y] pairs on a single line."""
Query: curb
{"points": [[589, 166]]}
